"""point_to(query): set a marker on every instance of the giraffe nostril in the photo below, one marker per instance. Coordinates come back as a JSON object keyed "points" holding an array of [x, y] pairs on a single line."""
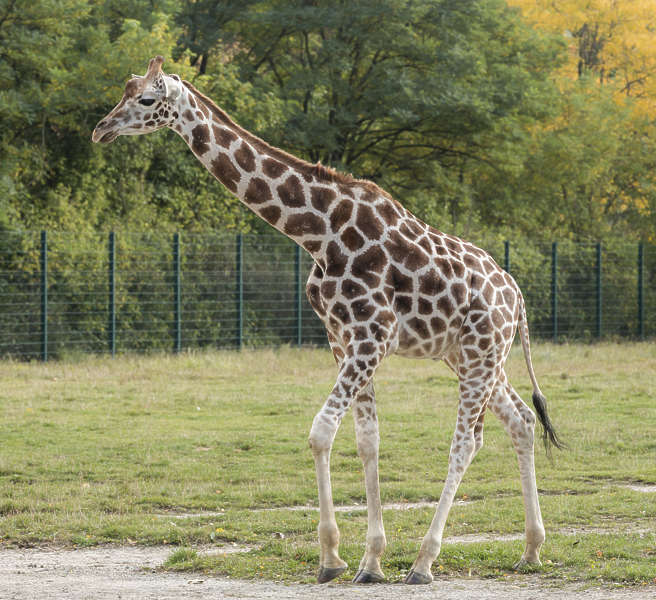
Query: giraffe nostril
{"points": [[101, 124]]}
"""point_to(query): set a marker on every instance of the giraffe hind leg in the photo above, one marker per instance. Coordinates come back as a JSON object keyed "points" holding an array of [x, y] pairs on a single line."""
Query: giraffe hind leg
{"points": [[474, 394], [519, 422]]}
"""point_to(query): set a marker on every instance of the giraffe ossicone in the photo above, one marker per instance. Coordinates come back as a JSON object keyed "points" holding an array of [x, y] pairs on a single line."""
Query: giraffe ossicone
{"points": [[383, 282]]}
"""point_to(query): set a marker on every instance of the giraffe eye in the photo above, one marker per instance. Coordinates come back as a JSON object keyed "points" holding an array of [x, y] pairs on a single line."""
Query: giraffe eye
{"points": [[146, 101]]}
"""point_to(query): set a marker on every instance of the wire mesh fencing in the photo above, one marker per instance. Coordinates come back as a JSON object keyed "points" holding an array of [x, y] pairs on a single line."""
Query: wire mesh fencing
{"points": [[65, 293]]}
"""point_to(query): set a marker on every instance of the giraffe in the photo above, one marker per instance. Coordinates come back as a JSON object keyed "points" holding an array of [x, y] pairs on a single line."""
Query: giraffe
{"points": [[382, 282]]}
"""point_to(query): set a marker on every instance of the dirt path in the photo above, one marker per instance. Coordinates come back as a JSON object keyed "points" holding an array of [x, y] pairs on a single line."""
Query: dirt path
{"points": [[129, 573]]}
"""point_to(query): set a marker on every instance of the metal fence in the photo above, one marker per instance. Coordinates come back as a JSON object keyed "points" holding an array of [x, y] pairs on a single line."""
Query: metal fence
{"points": [[64, 293]]}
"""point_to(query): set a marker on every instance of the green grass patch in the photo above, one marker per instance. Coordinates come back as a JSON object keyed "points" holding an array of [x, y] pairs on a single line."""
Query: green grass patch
{"points": [[113, 451], [627, 559]]}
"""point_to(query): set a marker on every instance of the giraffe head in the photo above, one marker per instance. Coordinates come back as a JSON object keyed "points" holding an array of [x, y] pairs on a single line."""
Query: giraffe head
{"points": [[148, 104]]}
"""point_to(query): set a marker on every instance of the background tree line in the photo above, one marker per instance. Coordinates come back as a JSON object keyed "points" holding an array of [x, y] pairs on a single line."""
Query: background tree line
{"points": [[487, 120]]}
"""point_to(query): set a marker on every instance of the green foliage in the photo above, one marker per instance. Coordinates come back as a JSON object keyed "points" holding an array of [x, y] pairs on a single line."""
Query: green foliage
{"points": [[412, 96], [78, 291], [449, 104], [64, 64]]}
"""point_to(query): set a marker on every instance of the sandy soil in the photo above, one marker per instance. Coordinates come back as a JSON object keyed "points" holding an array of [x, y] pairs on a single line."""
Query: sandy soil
{"points": [[131, 573]]}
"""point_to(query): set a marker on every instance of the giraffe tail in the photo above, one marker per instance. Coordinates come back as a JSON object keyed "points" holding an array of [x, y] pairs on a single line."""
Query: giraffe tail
{"points": [[549, 435]]}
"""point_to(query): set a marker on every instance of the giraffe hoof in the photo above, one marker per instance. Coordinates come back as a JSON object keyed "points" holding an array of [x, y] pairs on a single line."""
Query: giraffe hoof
{"points": [[524, 565], [414, 578], [363, 576], [327, 574]]}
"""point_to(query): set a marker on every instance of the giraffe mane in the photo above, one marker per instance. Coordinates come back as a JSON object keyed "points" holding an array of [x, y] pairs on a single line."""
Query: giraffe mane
{"points": [[321, 172]]}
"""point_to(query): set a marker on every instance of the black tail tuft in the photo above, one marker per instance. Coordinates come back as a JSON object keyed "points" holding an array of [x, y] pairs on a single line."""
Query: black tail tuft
{"points": [[549, 435]]}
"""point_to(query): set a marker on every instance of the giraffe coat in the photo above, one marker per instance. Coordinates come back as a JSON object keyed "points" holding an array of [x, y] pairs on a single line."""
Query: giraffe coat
{"points": [[382, 282]]}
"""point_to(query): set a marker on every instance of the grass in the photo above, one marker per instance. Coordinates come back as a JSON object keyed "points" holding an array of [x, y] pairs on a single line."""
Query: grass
{"points": [[113, 451]]}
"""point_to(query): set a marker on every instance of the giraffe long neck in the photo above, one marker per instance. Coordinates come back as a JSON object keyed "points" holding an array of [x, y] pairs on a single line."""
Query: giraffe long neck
{"points": [[290, 194]]}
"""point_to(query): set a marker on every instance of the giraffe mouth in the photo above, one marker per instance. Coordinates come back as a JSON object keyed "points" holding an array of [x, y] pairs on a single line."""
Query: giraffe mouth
{"points": [[104, 138]]}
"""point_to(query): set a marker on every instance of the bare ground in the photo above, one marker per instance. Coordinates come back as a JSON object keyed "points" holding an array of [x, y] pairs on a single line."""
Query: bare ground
{"points": [[133, 572], [119, 572]]}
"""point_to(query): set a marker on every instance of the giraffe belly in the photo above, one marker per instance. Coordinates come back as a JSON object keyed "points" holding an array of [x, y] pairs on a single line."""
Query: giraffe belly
{"points": [[426, 337]]}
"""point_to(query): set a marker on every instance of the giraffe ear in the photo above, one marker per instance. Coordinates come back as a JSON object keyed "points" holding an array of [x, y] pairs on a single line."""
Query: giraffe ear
{"points": [[172, 87]]}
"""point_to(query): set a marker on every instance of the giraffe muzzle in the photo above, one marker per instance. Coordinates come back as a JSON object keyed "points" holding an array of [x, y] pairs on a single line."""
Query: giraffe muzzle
{"points": [[103, 137]]}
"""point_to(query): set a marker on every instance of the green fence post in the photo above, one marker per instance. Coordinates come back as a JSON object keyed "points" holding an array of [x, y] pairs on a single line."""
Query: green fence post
{"points": [[44, 295], [298, 295], [598, 286], [177, 294], [111, 300], [554, 290], [239, 268], [641, 292], [506, 256]]}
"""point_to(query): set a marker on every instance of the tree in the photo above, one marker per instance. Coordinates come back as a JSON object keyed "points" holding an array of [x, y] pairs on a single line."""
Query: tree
{"points": [[389, 89], [63, 65], [471, 116], [603, 141], [610, 39]]}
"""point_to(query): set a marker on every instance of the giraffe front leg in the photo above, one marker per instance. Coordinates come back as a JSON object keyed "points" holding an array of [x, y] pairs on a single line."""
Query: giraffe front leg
{"points": [[366, 431], [323, 432], [350, 382]]}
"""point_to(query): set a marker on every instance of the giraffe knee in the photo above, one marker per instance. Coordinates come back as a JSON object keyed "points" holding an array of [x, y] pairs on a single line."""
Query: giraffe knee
{"points": [[529, 418], [366, 434], [469, 449], [322, 435], [526, 424], [462, 452], [522, 431]]}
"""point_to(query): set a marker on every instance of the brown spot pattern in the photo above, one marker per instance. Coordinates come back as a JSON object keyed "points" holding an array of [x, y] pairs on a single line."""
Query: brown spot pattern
{"points": [[400, 281], [362, 310], [200, 139], [270, 214], [312, 246], [340, 215], [336, 260], [352, 239], [225, 171], [272, 168], [369, 266], [258, 191], [321, 197], [224, 137], [291, 192], [328, 289], [351, 289], [368, 223], [305, 224], [245, 158]]}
